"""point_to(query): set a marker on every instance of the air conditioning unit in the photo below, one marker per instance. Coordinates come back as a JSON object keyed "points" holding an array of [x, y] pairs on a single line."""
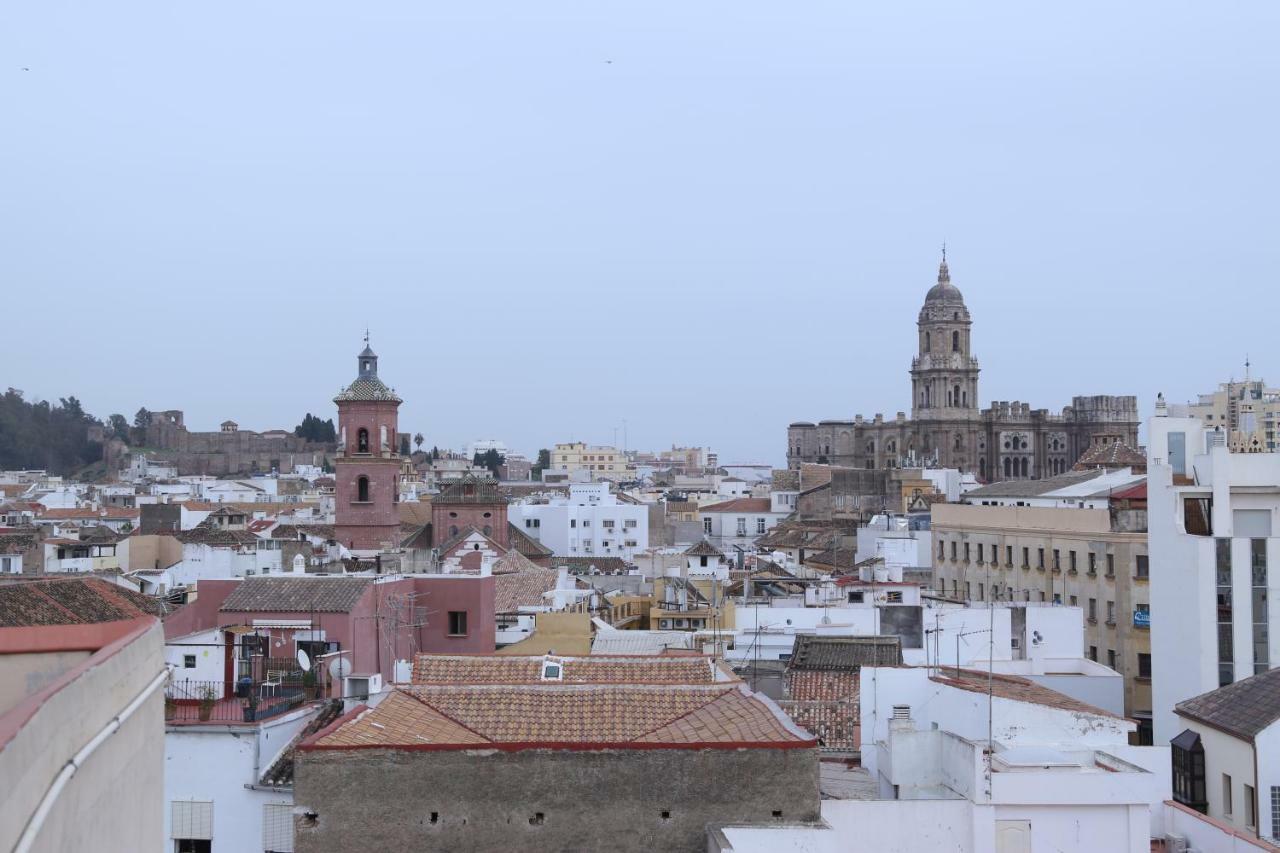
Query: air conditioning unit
{"points": [[1175, 843]]}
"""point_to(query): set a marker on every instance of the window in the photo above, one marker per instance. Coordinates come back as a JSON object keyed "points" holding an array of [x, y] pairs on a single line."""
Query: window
{"points": [[1057, 561], [968, 593], [1226, 794], [1226, 651], [1026, 558], [1075, 602], [742, 527], [1275, 812], [1111, 613], [706, 526], [895, 597], [953, 549], [573, 522], [608, 523], [1250, 807], [277, 827], [1142, 568], [1093, 610], [1144, 665], [1187, 755], [629, 524], [1093, 653], [1071, 561], [188, 661], [457, 623], [1040, 559], [966, 552], [942, 549], [1258, 571], [362, 489], [955, 342], [362, 441], [552, 671], [760, 523], [1042, 595], [982, 591], [1111, 658], [1111, 565], [855, 597], [1008, 556], [192, 845], [191, 825]]}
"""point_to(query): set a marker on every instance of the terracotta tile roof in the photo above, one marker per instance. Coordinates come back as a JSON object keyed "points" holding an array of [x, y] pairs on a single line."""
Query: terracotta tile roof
{"points": [[70, 601], [785, 480], [794, 534], [682, 506], [512, 562], [537, 716], [525, 544], [703, 549], [837, 558], [291, 531], [520, 588], [739, 505], [1242, 709], [280, 773], [470, 490], [1017, 689], [296, 594], [847, 654], [1114, 454], [596, 669], [836, 724], [820, 686], [208, 533], [109, 513], [16, 543], [583, 565]]}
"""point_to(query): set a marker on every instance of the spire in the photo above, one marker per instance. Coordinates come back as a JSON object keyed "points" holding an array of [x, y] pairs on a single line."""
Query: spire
{"points": [[944, 274]]}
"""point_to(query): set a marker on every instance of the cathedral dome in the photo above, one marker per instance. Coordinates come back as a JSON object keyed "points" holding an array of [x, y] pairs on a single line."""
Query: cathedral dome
{"points": [[944, 292]]}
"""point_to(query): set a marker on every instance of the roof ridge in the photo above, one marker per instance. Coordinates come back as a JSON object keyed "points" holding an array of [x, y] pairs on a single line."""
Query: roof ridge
{"points": [[673, 720], [444, 714]]}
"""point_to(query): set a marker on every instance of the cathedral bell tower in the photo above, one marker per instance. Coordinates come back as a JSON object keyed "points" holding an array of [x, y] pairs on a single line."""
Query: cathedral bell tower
{"points": [[944, 375], [368, 462]]}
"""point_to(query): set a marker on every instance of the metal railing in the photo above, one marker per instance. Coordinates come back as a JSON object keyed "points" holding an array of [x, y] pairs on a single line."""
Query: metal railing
{"points": [[189, 701]]}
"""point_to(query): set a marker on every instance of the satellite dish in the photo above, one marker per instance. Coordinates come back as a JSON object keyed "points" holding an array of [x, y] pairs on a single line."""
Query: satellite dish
{"points": [[339, 668], [304, 660]]}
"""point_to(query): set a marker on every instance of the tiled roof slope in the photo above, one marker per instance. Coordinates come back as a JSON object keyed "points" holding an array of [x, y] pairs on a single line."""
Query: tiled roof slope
{"points": [[583, 565], [296, 594], [70, 601], [523, 588], [525, 544], [633, 716], [366, 389], [1242, 709], [280, 773], [1113, 454], [703, 549], [596, 669], [16, 543], [1017, 689], [1031, 488], [739, 505], [847, 654]]}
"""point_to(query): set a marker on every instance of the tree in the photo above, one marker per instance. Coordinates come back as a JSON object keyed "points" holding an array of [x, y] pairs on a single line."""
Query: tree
{"points": [[490, 459], [435, 453], [314, 429], [417, 441], [42, 435], [118, 427], [543, 463]]}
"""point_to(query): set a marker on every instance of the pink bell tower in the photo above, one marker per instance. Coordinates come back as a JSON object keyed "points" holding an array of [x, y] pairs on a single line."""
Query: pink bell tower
{"points": [[368, 462]]}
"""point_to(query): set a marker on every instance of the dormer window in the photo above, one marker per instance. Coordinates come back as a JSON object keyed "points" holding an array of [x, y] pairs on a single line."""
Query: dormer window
{"points": [[552, 671]]}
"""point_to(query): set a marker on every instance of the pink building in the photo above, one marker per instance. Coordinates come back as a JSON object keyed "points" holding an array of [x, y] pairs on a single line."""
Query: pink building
{"points": [[372, 621], [368, 462]]}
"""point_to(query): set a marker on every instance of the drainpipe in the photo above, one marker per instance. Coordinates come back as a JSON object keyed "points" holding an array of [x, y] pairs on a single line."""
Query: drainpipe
{"points": [[38, 817]]}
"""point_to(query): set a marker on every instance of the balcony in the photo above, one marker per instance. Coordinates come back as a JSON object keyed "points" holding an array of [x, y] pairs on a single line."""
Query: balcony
{"points": [[247, 701]]}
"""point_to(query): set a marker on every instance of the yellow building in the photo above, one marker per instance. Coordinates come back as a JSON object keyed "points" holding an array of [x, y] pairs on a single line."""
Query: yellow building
{"points": [[601, 462]]}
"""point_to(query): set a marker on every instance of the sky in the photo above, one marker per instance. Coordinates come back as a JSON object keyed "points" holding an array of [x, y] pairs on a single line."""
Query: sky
{"points": [[703, 220]]}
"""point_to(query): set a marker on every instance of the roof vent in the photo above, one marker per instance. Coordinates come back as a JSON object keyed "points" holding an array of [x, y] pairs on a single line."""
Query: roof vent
{"points": [[902, 712]]}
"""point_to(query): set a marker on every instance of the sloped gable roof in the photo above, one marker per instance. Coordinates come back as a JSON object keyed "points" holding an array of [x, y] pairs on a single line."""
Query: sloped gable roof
{"points": [[296, 594]]}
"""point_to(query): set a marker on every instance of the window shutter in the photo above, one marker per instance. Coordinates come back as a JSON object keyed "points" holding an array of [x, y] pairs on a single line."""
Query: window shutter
{"points": [[277, 827], [191, 819]]}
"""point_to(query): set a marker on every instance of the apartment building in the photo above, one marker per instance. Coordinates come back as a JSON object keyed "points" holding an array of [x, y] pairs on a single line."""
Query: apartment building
{"points": [[1092, 557], [589, 522], [597, 462], [1213, 523]]}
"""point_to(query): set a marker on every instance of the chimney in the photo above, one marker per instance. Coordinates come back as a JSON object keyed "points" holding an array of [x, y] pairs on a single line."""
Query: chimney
{"points": [[486, 566]]}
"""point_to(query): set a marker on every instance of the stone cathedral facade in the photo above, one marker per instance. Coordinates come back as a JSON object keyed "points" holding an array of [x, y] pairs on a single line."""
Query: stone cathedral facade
{"points": [[947, 429]]}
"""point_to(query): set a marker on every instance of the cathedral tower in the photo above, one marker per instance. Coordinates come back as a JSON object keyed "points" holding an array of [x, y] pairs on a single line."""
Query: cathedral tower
{"points": [[944, 375], [368, 462]]}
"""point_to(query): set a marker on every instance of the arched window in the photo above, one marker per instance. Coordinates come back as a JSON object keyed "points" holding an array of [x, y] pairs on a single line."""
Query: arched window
{"points": [[1008, 464], [964, 398], [362, 489], [1024, 466], [958, 442], [982, 468], [928, 341], [362, 441], [955, 342], [955, 395]]}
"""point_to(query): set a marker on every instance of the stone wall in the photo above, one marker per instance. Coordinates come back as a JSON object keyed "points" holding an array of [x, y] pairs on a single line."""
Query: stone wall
{"points": [[545, 800]]}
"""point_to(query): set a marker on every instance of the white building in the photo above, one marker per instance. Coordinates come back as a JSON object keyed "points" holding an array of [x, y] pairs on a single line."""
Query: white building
{"points": [[484, 445], [1226, 759], [1212, 524], [589, 522], [739, 522]]}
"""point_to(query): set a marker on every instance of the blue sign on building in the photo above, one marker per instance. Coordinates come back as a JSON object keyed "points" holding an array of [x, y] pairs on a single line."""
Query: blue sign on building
{"points": [[1142, 618]]}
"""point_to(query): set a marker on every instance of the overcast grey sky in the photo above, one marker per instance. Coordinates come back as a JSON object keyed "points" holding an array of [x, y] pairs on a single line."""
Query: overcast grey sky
{"points": [[706, 218]]}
